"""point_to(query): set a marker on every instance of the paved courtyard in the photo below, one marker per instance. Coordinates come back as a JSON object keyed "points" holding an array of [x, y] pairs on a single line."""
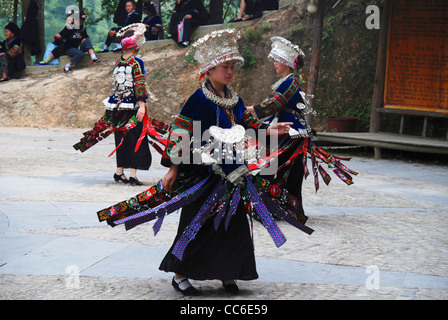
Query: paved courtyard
{"points": [[385, 237]]}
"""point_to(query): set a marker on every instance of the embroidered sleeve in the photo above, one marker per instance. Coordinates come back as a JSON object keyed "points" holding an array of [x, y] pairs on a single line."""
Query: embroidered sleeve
{"points": [[139, 81], [250, 122], [278, 100], [181, 131], [14, 51]]}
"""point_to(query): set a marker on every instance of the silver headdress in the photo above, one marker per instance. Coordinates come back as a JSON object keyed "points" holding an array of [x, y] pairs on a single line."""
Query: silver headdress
{"points": [[284, 51], [216, 48], [139, 33]]}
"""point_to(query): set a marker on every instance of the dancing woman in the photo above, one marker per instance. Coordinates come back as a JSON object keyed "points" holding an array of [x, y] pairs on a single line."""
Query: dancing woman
{"points": [[217, 251], [214, 178], [287, 103], [125, 110]]}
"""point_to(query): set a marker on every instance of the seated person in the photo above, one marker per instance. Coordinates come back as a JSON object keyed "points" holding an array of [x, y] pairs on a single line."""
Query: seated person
{"points": [[249, 9], [193, 14], [270, 5], [153, 22], [70, 39], [131, 17], [11, 55]]}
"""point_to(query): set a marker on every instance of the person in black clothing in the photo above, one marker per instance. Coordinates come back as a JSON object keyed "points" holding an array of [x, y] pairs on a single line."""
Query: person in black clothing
{"points": [[152, 22], [249, 9], [132, 17], [29, 32], [270, 4], [193, 14], [11, 54], [74, 42]]}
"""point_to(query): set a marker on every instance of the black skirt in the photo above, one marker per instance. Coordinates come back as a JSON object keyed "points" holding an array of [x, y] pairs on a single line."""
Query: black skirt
{"points": [[214, 254], [125, 154], [294, 180]]}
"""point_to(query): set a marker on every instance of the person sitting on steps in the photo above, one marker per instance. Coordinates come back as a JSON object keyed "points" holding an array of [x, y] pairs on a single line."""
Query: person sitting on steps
{"points": [[249, 10], [132, 16], [74, 41]]}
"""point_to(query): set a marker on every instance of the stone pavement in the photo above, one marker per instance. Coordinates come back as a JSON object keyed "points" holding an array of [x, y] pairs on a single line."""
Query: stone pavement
{"points": [[382, 238]]}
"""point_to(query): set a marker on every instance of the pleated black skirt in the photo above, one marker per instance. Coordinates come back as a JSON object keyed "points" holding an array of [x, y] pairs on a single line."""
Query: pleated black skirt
{"points": [[125, 154], [214, 254]]}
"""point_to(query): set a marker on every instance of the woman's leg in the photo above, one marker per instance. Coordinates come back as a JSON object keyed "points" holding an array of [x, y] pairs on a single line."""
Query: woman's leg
{"points": [[189, 26], [181, 283], [86, 46], [4, 67], [119, 175]]}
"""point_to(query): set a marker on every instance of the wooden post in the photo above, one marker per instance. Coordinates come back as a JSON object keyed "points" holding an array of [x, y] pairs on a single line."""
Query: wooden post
{"points": [[14, 14], [41, 27], [26, 46], [314, 67], [380, 74]]}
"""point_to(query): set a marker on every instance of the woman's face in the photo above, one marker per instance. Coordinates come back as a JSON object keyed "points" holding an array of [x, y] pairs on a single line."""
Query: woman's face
{"points": [[281, 68], [8, 34], [130, 6], [223, 73]]}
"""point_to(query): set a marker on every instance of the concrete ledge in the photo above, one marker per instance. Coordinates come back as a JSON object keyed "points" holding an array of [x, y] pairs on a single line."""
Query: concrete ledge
{"points": [[387, 141]]}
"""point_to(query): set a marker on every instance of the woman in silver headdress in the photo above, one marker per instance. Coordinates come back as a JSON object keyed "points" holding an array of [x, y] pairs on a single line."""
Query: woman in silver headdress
{"points": [[218, 250], [287, 103], [215, 177], [125, 110]]}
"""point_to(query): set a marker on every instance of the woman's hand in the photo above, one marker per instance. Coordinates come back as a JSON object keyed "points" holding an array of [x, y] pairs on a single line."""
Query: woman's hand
{"points": [[279, 128], [169, 178], [141, 111], [188, 16], [250, 108]]}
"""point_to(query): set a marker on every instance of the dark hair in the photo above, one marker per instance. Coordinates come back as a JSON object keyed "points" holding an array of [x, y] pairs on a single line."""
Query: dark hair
{"points": [[13, 28], [299, 62], [149, 6]]}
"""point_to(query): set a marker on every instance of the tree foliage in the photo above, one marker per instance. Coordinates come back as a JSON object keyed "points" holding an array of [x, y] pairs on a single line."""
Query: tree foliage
{"points": [[99, 15]]}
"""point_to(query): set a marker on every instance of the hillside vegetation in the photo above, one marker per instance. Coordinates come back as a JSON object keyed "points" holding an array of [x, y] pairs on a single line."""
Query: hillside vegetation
{"points": [[345, 86]]}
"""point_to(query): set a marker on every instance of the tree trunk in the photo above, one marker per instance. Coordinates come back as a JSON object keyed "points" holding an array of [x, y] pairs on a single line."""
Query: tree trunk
{"points": [[14, 14], [314, 68], [41, 26]]}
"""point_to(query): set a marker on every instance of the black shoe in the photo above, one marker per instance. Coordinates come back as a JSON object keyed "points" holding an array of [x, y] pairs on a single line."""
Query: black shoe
{"points": [[183, 44], [230, 286], [190, 291], [104, 50], [135, 182], [236, 20], [119, 178]]}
